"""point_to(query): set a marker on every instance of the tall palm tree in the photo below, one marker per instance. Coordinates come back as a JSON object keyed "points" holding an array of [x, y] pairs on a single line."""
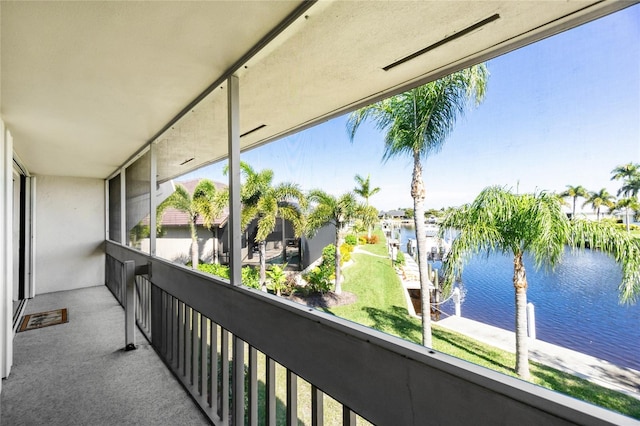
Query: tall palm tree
{"points": [[336, 210], [626, 171], [630, 176], [181, 200], [210, 201], [597, 199], [574, 192], [503, 222], [417, 124], [265, 202], [630, 187], [365, 191]]}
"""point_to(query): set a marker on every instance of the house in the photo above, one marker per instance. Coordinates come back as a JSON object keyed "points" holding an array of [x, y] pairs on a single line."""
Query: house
{"points": [[175, 243], [104, 102], [393, 214]]}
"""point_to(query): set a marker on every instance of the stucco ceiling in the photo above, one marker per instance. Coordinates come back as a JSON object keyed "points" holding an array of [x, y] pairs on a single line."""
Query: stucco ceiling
{"points": [[86, 85]]}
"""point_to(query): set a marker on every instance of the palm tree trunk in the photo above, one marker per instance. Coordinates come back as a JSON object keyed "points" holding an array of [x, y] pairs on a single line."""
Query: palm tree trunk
{"points": [[626, 213], [215, 245], [573, 213], [522, 349], [338, 289], [194, 244], [284, 243], [418, 194], [263, 262]]}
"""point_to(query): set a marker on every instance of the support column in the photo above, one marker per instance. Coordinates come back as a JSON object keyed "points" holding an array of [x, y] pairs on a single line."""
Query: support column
{"points": [[32, 237], [124, 238], [233, 129], [153, 184], [6, 250]]}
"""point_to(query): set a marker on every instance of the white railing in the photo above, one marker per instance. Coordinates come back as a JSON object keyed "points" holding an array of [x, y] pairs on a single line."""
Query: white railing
{"points": [[216, 337]]}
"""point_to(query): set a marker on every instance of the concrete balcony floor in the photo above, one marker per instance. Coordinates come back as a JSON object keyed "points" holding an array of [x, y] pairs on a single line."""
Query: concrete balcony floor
{"points": [[78, 373]]}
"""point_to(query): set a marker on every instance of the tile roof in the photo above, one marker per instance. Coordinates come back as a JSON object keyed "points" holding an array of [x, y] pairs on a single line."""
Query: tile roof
{"points": [[175, 217]]}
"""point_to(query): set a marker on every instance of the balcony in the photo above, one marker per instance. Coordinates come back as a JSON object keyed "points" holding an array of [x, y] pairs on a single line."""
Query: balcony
{"points": [[208, 351], [80, 370]]}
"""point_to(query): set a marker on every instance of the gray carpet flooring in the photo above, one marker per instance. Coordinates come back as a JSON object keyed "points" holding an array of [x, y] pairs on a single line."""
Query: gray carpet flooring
{"points": [[78, 374]]}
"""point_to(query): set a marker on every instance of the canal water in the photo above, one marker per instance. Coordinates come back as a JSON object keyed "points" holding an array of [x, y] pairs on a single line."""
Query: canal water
{"points": [[576, 305]]}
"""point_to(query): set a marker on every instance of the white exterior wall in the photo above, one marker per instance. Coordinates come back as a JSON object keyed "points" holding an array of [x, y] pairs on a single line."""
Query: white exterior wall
{"points": [[70, 238], [6, 252], [179, 249]]}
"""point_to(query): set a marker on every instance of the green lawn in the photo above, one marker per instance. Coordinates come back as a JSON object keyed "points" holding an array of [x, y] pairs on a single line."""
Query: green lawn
{"points": [[381, 305]]}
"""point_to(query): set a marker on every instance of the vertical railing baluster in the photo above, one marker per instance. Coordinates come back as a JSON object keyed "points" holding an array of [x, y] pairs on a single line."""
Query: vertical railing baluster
{"points": [[348, 417], [237, 381], [292, 398], [213, 367], [270, 397], [174, 332], [204, 364], [253, 386], [224, 366], [195, 346], [317, 406], [165, 325], [188, 345], [180, 329]]}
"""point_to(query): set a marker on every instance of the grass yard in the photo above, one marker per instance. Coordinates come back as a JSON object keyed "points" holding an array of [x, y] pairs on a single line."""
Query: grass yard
{"points": [[381, 305]]}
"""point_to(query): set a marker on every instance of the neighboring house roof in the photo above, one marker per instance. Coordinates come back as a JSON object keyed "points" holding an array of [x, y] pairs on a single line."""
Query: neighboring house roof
{"points": [[175, 217], [393, 213]]}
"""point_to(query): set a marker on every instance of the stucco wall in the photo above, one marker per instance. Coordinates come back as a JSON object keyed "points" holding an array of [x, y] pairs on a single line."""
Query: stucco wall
{"points": [[70, 222]]}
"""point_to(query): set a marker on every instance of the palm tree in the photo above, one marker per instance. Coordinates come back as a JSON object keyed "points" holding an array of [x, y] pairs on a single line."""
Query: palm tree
{"points": [[500, 221], [599, 199], [210, 201], [630, 176], [626, 204], [329, 209], [574, 192], [365, 191], [631, 187], [181, 200], [417, 124], [626, 171], [266, 203]]}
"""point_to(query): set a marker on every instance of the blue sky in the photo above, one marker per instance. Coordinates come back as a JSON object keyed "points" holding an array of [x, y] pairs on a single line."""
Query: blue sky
{"points": [[562, 111]]}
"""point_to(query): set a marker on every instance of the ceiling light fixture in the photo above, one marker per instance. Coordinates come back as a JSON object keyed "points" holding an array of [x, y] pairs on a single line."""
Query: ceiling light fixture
{"points": [[444, 41]]}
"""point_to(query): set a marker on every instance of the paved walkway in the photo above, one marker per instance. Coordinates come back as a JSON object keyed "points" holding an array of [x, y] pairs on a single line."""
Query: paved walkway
{"points": [[601, 372]]}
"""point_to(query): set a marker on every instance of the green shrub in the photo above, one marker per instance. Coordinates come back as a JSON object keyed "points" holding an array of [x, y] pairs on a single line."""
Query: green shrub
{"points": [[351, 240], [277, 278], [214, 269], [400, 260], [319, 281], [329, 256], [251, 277]]}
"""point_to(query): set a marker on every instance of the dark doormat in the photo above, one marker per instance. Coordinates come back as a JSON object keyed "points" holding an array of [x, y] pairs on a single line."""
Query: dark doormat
{"points": [[44, 319]]}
